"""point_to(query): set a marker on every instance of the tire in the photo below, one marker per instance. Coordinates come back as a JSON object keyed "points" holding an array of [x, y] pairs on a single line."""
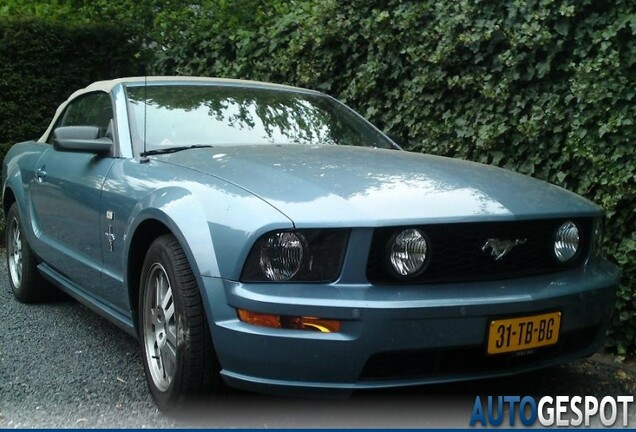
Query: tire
{"points": [[178, 356], [25, 280]]}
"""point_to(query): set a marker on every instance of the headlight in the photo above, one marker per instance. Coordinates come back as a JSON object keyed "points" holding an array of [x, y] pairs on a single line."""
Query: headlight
{"points": [[408, 252], [308, 255], [282, 255], [566, 241]]}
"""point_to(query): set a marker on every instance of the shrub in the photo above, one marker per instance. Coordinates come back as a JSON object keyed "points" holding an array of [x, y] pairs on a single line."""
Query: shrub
{"points": [[42, 63]]}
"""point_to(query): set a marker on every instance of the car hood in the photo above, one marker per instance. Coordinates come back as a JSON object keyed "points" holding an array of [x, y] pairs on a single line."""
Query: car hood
{"points": [[347, 186]]}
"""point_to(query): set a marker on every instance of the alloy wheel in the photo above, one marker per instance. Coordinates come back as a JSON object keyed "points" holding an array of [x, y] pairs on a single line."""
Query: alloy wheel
{"points": [[15, 253], [159, 327]]}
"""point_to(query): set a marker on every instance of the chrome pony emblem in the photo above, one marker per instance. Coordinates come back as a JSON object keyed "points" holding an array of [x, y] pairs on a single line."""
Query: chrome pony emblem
{"points": [[500, 248]]}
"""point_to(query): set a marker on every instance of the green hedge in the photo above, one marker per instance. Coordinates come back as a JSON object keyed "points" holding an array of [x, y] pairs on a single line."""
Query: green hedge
{"points": [[42, 63], [544, 87]]}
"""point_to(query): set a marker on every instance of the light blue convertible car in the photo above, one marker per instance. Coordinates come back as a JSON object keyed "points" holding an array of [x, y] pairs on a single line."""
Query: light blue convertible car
{"points": [[269, 238]]}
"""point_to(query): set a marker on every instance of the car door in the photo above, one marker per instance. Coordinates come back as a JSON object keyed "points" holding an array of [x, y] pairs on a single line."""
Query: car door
{"points": [[66, 198]]}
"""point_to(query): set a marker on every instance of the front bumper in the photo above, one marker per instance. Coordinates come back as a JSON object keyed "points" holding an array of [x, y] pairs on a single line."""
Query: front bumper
{"points": [[395, 336]]}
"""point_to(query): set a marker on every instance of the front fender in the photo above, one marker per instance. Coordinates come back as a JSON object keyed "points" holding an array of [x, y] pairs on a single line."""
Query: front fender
{"points": [[18, 170], [207, 222], [180, 211], [13, 182]]}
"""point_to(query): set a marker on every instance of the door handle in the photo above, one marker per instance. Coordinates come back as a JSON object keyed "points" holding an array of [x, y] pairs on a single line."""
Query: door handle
{"points": [[40, 174]]}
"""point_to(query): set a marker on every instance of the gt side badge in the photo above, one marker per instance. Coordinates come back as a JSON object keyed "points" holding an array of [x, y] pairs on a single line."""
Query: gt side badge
{"points": [[110, 236]]}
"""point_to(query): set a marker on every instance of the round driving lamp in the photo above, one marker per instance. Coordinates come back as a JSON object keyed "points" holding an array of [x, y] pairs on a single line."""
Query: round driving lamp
{"points": [[282, 255], [566, 241], [408, 252]]}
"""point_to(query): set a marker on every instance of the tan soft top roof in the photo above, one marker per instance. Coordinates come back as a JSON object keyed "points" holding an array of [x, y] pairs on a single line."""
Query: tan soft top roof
{"points": [[107, 86]]}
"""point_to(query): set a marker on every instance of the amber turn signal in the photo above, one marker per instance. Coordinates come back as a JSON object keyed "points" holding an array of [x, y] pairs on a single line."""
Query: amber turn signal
{"points": [[288, 322]]}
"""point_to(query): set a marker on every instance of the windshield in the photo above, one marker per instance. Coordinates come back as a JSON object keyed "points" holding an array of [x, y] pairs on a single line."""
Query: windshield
{"points": [[187, 115]]}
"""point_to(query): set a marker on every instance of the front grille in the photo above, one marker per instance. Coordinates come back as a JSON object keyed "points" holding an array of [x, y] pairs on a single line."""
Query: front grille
{"points": [[456, 251], [469, 360]]}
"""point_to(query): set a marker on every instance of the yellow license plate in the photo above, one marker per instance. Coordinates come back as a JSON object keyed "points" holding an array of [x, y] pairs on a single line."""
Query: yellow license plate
{"points": [[518, 334]]}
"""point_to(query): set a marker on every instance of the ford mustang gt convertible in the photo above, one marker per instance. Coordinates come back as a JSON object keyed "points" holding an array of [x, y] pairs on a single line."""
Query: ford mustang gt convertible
{"points": [[270, 239]]}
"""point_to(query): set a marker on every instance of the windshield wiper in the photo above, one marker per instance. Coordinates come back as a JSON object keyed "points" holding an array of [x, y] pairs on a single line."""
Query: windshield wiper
{"points": [[172, 149]]}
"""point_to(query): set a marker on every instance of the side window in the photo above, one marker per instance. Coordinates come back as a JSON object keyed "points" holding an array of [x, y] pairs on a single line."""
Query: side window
{"points": [[94, 109]]}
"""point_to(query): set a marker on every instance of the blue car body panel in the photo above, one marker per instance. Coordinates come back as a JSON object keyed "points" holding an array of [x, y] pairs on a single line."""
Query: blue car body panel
{"points": [[354, 186], [218, 201]]}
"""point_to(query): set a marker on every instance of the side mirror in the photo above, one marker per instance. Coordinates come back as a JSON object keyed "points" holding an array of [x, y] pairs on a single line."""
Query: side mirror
{"points": [[81, 139]]}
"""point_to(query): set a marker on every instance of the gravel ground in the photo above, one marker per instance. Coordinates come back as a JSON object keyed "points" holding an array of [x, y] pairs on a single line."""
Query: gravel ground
{"points": [[63, 366]]}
